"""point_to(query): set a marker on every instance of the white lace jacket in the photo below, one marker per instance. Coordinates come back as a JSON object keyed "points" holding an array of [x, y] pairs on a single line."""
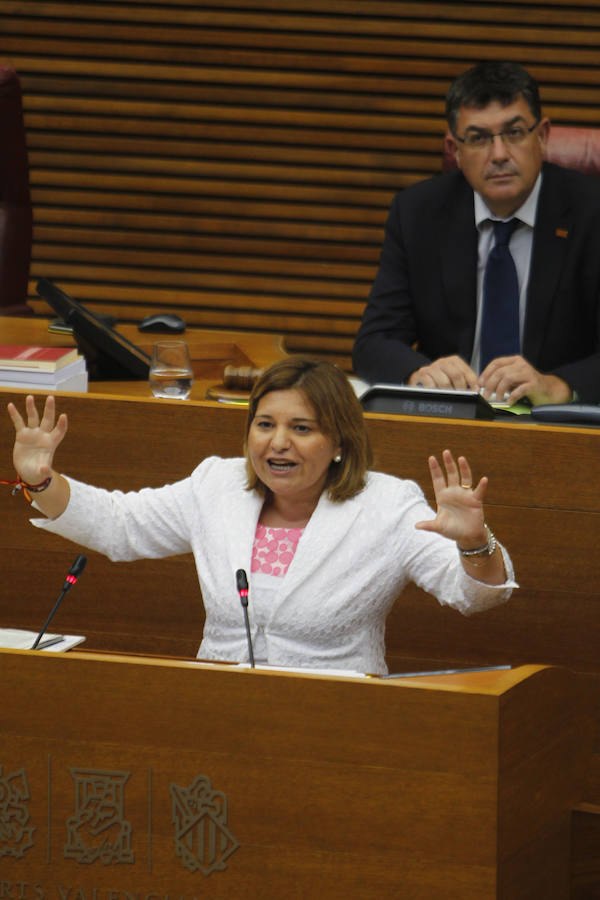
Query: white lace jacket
{"points": [[351, 563]]}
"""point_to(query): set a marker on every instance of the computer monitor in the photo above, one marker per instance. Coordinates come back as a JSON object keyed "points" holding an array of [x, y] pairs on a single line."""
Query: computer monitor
{"points": [[109, 356]]}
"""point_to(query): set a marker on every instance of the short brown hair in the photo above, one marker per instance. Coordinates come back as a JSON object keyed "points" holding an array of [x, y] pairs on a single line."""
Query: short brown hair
{"points": [[339, 415]]}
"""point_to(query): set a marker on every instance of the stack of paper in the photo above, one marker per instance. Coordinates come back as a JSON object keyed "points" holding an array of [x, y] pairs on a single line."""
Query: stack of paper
{"points": [[46, 368], [22, 639]]}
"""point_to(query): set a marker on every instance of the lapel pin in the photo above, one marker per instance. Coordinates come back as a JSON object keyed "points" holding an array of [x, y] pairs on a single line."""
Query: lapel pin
{"points": [[561, 233]]}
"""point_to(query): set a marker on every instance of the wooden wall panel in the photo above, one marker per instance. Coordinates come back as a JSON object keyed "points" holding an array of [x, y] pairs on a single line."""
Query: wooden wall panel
{"points": [[234, 160]]}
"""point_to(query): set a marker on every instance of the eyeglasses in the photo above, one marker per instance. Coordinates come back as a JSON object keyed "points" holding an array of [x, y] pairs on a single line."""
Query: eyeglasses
{"points": [[480, 140]]}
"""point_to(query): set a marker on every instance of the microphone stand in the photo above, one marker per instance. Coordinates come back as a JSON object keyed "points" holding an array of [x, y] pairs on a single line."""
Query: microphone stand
{"points": [[242, 586], [71, 579]]}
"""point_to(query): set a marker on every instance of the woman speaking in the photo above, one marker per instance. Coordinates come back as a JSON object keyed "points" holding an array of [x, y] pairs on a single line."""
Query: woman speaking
{"points": [[328, 545]]}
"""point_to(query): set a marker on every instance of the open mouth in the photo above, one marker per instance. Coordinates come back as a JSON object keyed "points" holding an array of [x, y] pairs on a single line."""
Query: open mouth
{"points": [[281, 465]]}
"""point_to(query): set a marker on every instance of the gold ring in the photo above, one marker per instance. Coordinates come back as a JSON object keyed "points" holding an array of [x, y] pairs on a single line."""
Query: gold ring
{"points": [[466, 487]]}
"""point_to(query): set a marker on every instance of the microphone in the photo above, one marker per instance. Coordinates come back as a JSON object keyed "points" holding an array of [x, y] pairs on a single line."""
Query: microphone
{"points": [[242, 586], [71, 579]]}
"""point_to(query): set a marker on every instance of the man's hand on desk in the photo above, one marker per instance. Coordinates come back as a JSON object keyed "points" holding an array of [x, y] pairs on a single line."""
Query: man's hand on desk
{"points": [[449, 372], [506, 379], [512, 378]]}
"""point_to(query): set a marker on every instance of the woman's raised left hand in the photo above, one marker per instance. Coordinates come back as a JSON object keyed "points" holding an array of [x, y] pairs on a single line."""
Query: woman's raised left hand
{"points": [[459, 504]]}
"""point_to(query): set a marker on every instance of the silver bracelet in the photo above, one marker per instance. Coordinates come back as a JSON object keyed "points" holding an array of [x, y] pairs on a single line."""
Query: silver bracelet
{"points": [[487, 549]]}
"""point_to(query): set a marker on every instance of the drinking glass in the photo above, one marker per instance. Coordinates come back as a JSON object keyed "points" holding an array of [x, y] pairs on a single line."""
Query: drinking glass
{"points": [[171, 373]]}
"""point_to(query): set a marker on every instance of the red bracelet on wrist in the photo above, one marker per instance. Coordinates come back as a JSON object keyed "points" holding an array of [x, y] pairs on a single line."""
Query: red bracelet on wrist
{"points": [[28, 489]]}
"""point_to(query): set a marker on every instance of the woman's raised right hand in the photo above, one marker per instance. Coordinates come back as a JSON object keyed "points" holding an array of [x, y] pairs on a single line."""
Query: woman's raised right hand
{"points": [[36, 440]]}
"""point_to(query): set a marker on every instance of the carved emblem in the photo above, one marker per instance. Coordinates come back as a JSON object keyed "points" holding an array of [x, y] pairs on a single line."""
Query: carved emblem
{"points": [[202, 838], [16, 836], [98, 829]]}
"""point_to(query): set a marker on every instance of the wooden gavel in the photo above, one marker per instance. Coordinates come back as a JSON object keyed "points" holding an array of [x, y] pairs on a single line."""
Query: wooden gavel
{"points": [[240, 378]]}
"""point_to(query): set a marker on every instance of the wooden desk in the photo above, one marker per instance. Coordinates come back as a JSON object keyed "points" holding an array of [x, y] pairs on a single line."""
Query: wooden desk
{"points": [[210, 351], [172, 778], [543, 502]]}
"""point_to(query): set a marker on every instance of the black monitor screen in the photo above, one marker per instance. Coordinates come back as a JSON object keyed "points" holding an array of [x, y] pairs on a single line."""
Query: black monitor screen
{"points": [[109, 356]]}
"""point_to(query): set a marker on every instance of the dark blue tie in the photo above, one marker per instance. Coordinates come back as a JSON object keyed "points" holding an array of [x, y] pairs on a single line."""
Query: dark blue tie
{"points": [[500, 317]]}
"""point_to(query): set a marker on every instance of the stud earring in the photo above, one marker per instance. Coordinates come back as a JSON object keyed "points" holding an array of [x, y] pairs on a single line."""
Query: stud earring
{"points": [[337, 458]]}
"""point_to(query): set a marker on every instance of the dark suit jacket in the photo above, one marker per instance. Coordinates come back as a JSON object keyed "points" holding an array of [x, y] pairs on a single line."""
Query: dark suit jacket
{"points": [[425, 290]]}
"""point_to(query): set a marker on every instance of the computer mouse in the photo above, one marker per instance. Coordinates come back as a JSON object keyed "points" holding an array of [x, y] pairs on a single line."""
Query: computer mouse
{"points": [[162, 322]]}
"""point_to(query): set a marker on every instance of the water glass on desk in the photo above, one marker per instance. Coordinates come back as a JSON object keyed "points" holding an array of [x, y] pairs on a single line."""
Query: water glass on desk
{"points": [[171, 375]]}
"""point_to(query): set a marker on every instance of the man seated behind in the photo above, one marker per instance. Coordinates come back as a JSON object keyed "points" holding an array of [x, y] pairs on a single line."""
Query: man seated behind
{"points": [[433, 317]]}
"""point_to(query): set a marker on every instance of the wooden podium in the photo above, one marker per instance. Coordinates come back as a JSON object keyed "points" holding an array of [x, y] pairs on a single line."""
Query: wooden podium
{"points": [[138, 777]]}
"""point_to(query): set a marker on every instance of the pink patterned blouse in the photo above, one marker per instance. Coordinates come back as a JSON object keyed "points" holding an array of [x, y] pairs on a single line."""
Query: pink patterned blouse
{"points": [[274, 549]]}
